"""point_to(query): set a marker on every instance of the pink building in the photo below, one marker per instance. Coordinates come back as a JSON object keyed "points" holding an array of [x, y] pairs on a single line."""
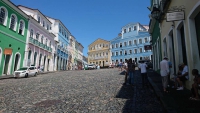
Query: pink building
{"points": [[40, 46]]}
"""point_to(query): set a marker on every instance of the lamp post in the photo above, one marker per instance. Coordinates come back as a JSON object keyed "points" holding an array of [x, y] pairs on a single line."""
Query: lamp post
{"points": [[155, 13]]}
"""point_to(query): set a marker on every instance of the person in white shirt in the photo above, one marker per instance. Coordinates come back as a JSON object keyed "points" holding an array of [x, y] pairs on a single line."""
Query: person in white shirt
{"points": [[143, 70], [164, 72], [183, 77]]}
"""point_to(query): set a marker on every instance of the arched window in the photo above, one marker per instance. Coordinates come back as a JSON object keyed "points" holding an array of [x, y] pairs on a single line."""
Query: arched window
{"points": [[49, 43], [31, 33], [42, 38], [2, 15], [37, 36], [46, 41], [21, 27], [43, 24], [38, 19], [12, 23]]}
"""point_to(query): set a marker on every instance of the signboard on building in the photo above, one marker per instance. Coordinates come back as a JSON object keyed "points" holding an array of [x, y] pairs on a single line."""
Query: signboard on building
{"points": [[8, 51], [175, 16], [147, 47]]}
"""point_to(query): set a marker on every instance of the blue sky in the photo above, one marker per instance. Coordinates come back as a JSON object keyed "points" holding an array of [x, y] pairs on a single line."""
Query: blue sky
{"points": [[89, 20]]}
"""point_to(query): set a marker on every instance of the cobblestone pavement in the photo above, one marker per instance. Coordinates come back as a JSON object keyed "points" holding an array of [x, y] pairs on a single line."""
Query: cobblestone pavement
{"points": [[93, 91]]}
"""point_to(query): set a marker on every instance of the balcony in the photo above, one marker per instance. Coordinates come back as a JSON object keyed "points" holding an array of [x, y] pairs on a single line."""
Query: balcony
{"points": [[31, 40], [36, 42]]}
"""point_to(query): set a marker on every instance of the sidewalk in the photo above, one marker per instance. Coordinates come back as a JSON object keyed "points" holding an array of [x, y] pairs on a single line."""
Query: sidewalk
{"points": [[174, 101]]}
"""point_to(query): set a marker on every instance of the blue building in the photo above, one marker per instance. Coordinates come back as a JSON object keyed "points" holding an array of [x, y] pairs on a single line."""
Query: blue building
{"points": [[62, 38], [130, 43]]}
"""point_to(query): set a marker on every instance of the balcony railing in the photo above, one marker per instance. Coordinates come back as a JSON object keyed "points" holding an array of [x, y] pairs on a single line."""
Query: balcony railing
{"points": [[31, 40]]}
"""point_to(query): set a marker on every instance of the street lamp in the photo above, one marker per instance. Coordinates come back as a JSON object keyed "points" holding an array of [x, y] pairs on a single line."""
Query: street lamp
{"points": [[155, 13]]}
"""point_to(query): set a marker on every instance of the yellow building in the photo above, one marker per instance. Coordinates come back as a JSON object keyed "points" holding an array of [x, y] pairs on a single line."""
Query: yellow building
{"points": [[99, 53]]}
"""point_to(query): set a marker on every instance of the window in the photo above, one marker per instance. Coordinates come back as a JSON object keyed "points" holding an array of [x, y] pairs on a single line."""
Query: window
{"points": [[116, 45], [145, 40], [47, 26], [106, 45], [129, 30], [130, 43], [125, 44], [103, 53], [120, 52], [37, 36], [116, 53], [120, 44], [124, 30], [130, 51], [125, 52], [21, 27], [112, 45], [59, 28], [135, 42], [38, 19], [43, 24], [2, 15], [42, 38], [12, 24], [103, 45], [140, 50], [31, 33], [135, 51], [106, 53], [135, 28], [140, 41]]}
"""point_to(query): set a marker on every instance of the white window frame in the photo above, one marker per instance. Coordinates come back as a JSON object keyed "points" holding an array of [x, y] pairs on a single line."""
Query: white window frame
{"points": [[23, 27], [6, 15], [15, 24]]}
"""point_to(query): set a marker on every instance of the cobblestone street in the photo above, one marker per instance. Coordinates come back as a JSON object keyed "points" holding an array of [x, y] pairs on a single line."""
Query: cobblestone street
{"points": [[93, 91]]}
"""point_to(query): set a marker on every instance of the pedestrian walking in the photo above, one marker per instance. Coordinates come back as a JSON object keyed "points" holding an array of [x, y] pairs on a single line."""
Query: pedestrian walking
{"points": [[131, 69], [164, 72], [126, 72], [143, 71]]}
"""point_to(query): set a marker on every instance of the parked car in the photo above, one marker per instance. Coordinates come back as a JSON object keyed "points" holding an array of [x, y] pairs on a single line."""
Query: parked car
{"points": [[26, 71], [91, 66]]}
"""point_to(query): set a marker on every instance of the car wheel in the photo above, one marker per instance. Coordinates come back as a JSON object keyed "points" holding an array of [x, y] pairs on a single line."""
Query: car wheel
{"points": [[26, 75], [35, 74]]}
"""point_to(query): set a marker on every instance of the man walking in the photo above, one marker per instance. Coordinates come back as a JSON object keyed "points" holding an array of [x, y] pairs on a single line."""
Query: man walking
{"points": [[143, 70], [131, 69], [164, 72]]}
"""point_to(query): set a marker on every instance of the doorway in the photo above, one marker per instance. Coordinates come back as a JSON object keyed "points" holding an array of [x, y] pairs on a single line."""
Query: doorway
{"points": [[183, 45], [171, 52], [35, 56], [7, 60], [16, 62], [197, 25], [44, 62]]}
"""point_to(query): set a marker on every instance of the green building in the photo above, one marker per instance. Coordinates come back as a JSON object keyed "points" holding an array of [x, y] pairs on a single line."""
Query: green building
{"points": [[13, 33]]}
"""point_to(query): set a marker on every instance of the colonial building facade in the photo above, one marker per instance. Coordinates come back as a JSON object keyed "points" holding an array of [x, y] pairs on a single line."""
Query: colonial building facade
{"points": [[130, 44], [179, 39], [40, 42], [62, 37], [13, 32], [99, 53]]}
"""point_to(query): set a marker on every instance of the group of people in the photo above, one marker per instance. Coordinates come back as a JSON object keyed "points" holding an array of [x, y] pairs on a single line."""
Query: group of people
{"points": [[181, 76], [129, 67]]}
